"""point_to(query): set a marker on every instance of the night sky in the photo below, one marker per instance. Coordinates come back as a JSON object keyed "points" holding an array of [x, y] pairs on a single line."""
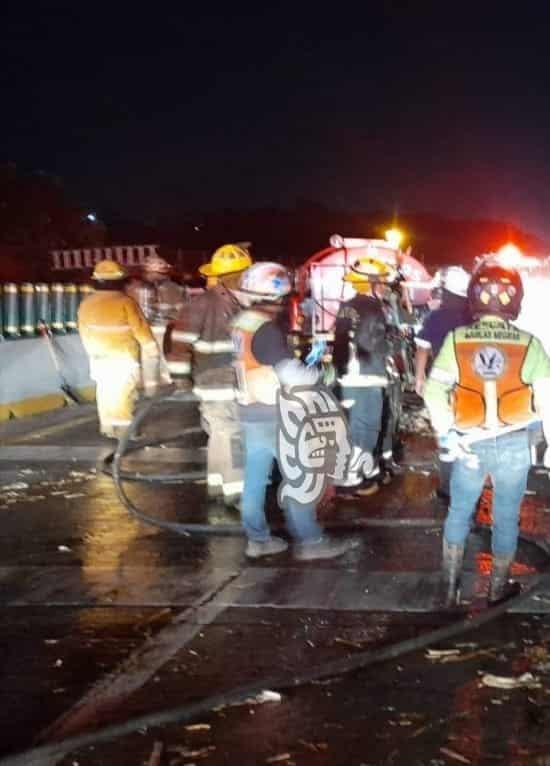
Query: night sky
{"points": [[155, 111]]}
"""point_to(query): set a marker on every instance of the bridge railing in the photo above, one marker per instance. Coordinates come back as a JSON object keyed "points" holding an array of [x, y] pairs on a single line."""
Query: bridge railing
{"points": [[26, 306]]}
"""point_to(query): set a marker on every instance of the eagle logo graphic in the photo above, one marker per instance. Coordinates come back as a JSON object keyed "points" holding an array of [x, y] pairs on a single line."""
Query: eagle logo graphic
{"points": [[489, 362]]}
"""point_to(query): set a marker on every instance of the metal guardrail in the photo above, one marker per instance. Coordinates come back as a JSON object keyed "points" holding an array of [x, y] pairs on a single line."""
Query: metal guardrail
{"points": [[26, 306]]}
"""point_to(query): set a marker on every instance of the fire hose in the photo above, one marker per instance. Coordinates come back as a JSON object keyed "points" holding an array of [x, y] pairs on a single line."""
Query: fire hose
{"points": [[112, 466], [240, 695], [182, 714]]}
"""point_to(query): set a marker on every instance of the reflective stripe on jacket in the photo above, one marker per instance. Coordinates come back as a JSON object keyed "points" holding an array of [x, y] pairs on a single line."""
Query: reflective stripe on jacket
{"points": [[200, 341], [112, 324]]}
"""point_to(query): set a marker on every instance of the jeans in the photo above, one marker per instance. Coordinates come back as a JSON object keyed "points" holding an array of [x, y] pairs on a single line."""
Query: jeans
{"points": [[507, 459], [365, 416], [260, 448]]}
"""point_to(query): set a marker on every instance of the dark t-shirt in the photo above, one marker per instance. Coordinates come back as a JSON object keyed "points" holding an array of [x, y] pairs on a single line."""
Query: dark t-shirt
{"points": [[364, 316], [453, 313], [269, 344]]}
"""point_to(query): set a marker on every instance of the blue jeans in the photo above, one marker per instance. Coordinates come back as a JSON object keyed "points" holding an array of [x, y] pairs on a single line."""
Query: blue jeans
{"points": [[507, 459], [365, 415], [260, 449]]}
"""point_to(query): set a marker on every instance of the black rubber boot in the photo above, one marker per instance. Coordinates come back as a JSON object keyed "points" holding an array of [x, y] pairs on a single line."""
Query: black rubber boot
{"points": [[453, 557], [501, 588]]}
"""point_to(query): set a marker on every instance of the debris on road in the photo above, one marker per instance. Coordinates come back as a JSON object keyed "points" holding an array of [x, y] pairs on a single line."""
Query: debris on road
{"points": [[454, 755], [265, 696], [185, 752], [279, 758], [314, 747], [455, 655], [259, 699], [346, 642], [525, 681], [438, 654], [156, 755]]}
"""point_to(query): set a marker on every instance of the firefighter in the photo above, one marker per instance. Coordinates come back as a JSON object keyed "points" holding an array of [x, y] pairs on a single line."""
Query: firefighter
{"points": [[480, 393], [264, 363], [119, 342], [361, 358], [199, 344], [160, 298]]}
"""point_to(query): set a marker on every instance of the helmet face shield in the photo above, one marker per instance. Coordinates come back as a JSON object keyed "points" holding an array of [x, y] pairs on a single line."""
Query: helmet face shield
{"points": [[266, 281]]}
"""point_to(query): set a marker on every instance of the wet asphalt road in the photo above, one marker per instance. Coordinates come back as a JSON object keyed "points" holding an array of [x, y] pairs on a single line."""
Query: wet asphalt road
{"points": [[106, 618]]}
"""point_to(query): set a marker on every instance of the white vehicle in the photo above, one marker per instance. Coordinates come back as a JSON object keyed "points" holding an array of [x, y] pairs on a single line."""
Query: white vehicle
{"points": [[321, 284]]}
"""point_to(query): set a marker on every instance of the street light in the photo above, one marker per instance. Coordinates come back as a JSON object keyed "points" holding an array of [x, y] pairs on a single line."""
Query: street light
{"points": [[92, 217], [394, 237]]}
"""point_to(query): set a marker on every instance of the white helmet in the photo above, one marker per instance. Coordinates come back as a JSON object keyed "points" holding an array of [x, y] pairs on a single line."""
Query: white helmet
{"points": [[455, 280], [266, 281]]}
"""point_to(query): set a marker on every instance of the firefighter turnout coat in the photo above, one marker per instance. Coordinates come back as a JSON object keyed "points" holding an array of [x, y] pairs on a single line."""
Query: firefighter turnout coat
{"points": [[199, 344], [119, 343], [159, 301]]}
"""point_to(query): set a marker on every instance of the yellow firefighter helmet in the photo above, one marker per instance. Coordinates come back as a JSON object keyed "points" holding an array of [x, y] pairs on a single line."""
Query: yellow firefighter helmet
{"points": [[370, 270], [228, 259], [109, 271]]}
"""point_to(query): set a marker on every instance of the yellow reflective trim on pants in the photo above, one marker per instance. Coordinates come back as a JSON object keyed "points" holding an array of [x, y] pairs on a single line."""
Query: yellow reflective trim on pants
{"points": [[116, 422], [363, 381], [184, 337], [179, 368], [215, 394], [214, 347], [233, 487]]}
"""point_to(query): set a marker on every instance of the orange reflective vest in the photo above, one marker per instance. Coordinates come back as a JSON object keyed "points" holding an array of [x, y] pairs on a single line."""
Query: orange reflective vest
{"points": [[257, 383], [490, 391]]}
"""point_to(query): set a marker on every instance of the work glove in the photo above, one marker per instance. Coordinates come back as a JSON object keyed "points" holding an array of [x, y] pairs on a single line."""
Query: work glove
{"points": [[318, 350], [452, 447]]}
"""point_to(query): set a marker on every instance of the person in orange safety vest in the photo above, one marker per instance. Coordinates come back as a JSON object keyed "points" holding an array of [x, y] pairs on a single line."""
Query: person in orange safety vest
{"points": [[488, 388]]}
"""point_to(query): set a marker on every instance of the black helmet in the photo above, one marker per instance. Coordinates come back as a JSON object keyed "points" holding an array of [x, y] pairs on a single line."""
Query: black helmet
{"points": [[495, 289]]}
